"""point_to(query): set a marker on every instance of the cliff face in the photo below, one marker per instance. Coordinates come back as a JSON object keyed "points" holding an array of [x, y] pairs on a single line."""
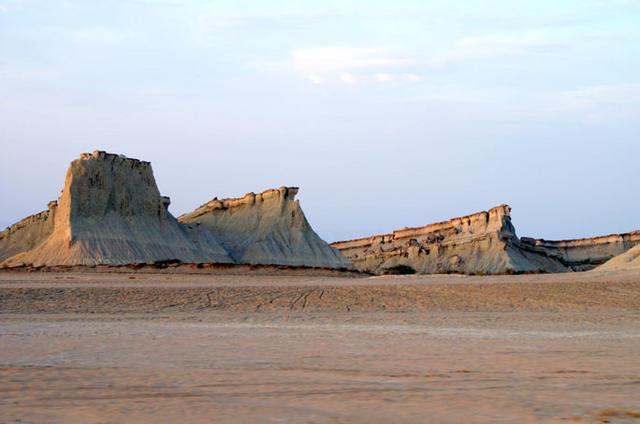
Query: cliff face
{"points": [[587, 253], [265, 228], [111, 212], [483, 242], [627, 261], [27, 233]]}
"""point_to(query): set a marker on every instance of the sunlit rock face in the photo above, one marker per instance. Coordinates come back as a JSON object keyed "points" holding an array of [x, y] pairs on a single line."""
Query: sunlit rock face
{"points": [[27, 233], [110, 212], [265, 228], [481, 243]]}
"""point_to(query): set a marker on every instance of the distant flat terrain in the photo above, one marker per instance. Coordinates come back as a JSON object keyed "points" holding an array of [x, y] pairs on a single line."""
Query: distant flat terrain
{"points": [[53, 292], [94, 348]]}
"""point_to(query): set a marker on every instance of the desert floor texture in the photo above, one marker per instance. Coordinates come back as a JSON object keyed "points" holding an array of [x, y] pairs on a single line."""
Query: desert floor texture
{"points": [[165, 348]]}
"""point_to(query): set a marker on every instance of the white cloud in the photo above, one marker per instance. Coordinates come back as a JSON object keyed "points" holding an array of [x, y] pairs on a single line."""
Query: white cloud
{"points": [[316, 79], [348, 78], [385, 77], [411, 77], [350, 65], [341, 59], [384, 65], [494, 46]]}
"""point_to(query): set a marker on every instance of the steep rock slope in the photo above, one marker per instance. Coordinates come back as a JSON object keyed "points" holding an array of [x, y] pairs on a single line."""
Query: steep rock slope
{"points": [[27, 233], [265, 228], [111, 212], [483, 242], [627, 261]]}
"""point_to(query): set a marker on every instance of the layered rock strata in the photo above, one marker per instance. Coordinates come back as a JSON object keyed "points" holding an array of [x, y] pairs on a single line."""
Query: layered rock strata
{"points": [[110, 212], [265, 228], [586, 253], [27, 233], [627, 261], [483, 242]]}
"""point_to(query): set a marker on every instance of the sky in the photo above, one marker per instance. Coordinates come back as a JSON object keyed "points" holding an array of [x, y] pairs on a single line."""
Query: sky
{"points": [[385, 113]]}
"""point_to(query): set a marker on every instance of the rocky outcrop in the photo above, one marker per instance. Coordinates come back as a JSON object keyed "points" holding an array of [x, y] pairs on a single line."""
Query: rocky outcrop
{"points": [[483, 242], [265, 228], [627, 261], [110, 212], [27, 233], [586, 253]]}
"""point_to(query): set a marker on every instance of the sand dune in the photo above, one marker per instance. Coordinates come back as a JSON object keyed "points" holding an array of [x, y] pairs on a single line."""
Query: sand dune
{"points": [[628, 261]]}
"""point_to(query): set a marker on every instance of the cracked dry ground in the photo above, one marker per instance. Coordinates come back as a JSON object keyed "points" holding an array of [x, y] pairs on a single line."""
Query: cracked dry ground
{"points": [[81, 348]]}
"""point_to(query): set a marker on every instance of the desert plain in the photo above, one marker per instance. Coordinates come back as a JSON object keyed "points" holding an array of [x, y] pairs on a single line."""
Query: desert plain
{"points": [[327, 347]]}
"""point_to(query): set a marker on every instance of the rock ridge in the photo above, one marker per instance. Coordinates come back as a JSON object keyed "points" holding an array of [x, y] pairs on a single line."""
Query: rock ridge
{"points": [[265, 228], [483, 242], [584, 254], [111, 212], [27, 233], [250, 198]]}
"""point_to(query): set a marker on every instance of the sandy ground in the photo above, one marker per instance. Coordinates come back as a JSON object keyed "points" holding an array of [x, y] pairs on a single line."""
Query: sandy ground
{"points": [[102, 348]]}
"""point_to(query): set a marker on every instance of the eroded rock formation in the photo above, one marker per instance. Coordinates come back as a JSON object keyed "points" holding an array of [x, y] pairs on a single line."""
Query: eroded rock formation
{"points": [[265, 228], [484, 243], [585, 253], [27, 233], [110, 212], [627, 261]]}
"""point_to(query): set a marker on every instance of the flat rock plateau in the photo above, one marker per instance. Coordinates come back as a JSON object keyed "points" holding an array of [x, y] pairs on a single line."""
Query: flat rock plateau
{"points": [[285, 347]]}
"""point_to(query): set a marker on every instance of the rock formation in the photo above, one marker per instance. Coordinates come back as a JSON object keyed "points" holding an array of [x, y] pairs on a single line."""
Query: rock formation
{"points": [[27, 233], [265, 228], [110, 212], [484, 243], [627, 261], [586, 253]]}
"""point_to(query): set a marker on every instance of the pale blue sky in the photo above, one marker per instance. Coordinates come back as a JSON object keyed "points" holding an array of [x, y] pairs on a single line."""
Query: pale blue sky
{"points": [[385, 113]]}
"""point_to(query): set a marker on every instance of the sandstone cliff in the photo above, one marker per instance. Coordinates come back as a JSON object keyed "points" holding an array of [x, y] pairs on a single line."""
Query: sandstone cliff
{"points": [[265, 228], [586, 253], [627, 261], [27, 233], [110, 212], [483, 242]]}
